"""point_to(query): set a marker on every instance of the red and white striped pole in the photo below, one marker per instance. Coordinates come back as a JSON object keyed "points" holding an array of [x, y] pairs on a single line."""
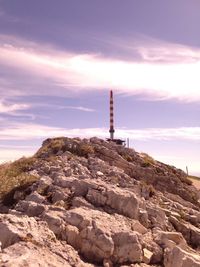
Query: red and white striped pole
{"points": [[111, 117]]}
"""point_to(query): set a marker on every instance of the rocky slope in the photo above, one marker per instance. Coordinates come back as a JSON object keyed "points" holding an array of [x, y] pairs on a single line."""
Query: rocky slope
{"points": [[94, 203]]}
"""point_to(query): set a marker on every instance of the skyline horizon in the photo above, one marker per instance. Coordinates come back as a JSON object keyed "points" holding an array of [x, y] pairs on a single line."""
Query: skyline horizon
{"points": [[105, 136], [59, 61]]}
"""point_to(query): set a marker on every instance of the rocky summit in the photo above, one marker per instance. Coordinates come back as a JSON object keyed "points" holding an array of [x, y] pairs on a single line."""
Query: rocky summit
{"points": [[89, 202]]}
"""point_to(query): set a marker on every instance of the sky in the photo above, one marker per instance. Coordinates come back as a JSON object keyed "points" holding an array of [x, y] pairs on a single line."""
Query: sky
{"points": [[60, 59]]}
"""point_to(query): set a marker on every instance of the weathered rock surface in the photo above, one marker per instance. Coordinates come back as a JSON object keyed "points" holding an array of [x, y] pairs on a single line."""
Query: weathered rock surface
{"points": [[99, 204], [179, 257]]}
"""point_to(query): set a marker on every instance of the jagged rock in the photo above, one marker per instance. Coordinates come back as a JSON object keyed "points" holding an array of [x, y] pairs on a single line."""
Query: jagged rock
{"points": [[25, 254], [169, 239], [147, 241], [124, 202], [35, 197], [28, 254], [99, 204], [54, 221], [42, 185], [190, 232], [157, 217], [81, 202], [127, 247], [179, 257], [67, 171], [143, 218], [147, 255], [79, 187], [56, 194], [21, 228], [102, 236], [138, 227], [30, 208]]}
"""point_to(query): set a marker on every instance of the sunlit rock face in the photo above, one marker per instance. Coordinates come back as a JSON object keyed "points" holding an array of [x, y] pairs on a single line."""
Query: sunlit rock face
{"points": [[95, 203]]}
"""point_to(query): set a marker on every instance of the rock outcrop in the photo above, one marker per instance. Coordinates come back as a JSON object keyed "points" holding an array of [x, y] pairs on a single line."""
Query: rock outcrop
{"points": [[95, 203]]}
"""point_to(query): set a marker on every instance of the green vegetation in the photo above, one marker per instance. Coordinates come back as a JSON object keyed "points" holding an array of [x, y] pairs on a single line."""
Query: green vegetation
{"points": [[14, 176]]}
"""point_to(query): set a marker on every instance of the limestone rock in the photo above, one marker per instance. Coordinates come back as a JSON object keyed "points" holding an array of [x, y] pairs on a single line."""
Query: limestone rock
{"points": [[179, 257], [25, 254], [123, 202], [30, 208], [101, 236], [138, 227], [97, 204], [127, 247], [169, 239], [35, 197], [147, 255], [190, 232], [14, 229]]}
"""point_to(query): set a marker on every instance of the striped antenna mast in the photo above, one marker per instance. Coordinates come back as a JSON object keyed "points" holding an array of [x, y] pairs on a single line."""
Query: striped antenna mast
{"points": [[111, 116]]}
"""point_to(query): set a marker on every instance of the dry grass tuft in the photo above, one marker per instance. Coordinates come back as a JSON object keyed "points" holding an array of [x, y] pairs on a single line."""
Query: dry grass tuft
{"points": [[147, 160], [14, 176], [195, 181], [60, 145]]}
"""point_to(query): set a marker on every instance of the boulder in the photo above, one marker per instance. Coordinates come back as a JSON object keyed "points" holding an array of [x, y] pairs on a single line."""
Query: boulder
{"points": [[102, 236], [190, 232], [22, 228], [138, 227], [104, 202], [179, 257], [169, 239], [148, 243], [147, 256], [36, 197], [25, 254], [127, 247], [30, 208], [157, 217], [122, 201], [55, 221]]}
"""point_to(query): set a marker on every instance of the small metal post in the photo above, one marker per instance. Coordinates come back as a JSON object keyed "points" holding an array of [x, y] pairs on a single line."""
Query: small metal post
{"points": [[128, 142], [187, 170]]}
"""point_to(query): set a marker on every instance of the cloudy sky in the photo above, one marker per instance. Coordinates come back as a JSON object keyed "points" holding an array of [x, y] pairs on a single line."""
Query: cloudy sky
{"points": [[59, 59]]}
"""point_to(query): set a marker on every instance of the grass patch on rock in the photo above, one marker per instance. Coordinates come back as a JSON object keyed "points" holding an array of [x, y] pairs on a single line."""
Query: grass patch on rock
{"points": [[14, 176], [57, 146], [147, 160]]}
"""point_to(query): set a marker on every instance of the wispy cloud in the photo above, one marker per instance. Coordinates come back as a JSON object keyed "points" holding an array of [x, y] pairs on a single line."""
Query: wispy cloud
{"points": [[36, 133], [182, 133], [163, 73], [28, 131], [10, 108], [85, 109], [15, 110], [149, 49]]}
